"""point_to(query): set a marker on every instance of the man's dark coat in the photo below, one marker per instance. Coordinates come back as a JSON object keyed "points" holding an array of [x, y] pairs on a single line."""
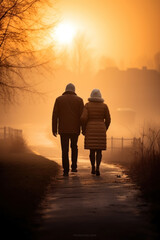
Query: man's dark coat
{"points": [[66, 113]]}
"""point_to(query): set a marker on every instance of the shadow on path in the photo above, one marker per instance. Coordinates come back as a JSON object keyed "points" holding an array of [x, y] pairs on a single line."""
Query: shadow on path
{"points": [[85, 206]]}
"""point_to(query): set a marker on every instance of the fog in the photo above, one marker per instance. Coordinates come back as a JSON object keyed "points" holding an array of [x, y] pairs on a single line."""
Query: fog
{"points": [[118, 59], [131, 95]]}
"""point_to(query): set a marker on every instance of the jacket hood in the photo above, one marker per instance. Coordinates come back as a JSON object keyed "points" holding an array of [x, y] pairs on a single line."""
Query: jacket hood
{"points": [[96, 96]]}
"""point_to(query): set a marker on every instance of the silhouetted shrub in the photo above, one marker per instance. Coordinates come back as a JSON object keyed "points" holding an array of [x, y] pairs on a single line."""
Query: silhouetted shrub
{"points": [[146, 165]]}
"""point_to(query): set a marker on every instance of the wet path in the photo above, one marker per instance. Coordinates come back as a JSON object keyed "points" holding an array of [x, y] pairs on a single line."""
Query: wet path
{"points": [[85, 206]]}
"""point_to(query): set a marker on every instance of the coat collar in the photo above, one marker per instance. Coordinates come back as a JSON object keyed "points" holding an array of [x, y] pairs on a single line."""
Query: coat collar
{"points": [[69, 92]]}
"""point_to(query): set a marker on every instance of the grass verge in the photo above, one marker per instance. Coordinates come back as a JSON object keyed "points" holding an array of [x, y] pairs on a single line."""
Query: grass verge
{"points": [[24, 178], [142, 164]]}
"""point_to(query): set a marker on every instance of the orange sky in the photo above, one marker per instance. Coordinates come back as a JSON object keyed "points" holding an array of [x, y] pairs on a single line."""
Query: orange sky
{"points": [[125, 30]]}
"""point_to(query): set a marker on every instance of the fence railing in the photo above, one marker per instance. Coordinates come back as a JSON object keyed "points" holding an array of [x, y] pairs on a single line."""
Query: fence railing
{"points": [[112, 142], [8, 132], [120, 143]]}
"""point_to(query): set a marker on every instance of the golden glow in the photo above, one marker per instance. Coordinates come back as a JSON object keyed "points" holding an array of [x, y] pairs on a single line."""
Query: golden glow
{"points": [[64, 33]]}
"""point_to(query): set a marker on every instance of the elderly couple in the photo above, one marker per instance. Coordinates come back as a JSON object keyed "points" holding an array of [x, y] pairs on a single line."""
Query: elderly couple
{"points": [[69, 115]]}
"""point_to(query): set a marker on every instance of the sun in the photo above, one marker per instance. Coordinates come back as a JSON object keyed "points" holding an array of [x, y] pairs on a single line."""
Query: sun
{"points": [[64, 32]]}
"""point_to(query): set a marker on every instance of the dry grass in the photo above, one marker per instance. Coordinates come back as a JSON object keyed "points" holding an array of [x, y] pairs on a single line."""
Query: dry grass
{"points": [[24, 178], [145, 171], [146, 165], [142, 164]]}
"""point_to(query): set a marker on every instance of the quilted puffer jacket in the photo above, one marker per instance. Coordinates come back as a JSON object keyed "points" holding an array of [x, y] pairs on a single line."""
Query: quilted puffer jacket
{"points": [[66, 113], [95, 121]]}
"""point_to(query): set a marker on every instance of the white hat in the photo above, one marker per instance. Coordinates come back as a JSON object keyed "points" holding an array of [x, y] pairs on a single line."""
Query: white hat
{"points": [[70, 87], [96, 96]]}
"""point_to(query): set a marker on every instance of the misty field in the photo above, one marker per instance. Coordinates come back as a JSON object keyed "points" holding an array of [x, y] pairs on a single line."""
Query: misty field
{"points": [[24, 178]]}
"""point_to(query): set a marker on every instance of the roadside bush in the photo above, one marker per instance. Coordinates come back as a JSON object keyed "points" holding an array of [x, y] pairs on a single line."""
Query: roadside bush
{"points": [[146, 165]]}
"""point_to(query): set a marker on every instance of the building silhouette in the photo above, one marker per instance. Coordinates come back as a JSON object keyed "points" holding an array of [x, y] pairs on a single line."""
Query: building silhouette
{"points": [[134, 88]]}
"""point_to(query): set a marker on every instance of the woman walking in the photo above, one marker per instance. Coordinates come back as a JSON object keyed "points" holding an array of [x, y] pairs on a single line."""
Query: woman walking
{"points": [[95, 121]]}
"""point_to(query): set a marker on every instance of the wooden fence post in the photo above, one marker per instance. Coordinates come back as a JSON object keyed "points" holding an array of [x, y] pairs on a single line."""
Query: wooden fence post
{"points": [[20, 133], [9, 132], [111, 143], [122, 143], [4, 133]]}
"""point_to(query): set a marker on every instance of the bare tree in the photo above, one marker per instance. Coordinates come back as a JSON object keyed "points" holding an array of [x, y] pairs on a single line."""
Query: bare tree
{"points": [[21, 26], [81, 55]]}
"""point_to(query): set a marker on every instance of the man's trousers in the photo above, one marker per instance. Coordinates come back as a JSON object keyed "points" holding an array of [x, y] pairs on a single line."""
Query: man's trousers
{"points": [[65, 137]]}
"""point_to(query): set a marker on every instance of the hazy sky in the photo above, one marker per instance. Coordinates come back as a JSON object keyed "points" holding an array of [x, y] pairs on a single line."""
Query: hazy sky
{"points": [[125, 30]]}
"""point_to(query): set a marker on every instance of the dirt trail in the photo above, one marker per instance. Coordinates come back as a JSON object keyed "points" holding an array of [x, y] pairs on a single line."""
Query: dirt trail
{"points": [[85, 206]]}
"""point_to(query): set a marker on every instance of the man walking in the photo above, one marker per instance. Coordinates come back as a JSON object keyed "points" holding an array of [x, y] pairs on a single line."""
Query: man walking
{"points": [[66, 117]]}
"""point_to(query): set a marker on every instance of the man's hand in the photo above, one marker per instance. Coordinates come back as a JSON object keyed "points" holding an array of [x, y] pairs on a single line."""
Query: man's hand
{"points": [[55, 134]]}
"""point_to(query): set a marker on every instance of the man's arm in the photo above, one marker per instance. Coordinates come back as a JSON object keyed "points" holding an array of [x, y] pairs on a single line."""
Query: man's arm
{"points": [[55, 118], [84, 119], [81, 111], [81, 107]]}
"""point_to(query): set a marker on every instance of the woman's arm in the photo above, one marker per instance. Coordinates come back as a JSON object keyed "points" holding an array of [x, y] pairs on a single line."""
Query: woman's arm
{"points": [[84, 119], [107, 117]]}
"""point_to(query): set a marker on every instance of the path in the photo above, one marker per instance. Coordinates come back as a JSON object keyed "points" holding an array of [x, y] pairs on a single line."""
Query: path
{"points": [[85, 206]]}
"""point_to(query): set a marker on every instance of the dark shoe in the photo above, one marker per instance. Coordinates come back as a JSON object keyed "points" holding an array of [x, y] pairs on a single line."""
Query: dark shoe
{"points": [[65, 174], [97, 173], [74, 170], [93, 170]]}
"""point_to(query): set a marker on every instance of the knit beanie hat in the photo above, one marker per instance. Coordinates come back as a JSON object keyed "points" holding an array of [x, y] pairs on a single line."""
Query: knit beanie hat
{"points": [[70, 87], [96, 96]]}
